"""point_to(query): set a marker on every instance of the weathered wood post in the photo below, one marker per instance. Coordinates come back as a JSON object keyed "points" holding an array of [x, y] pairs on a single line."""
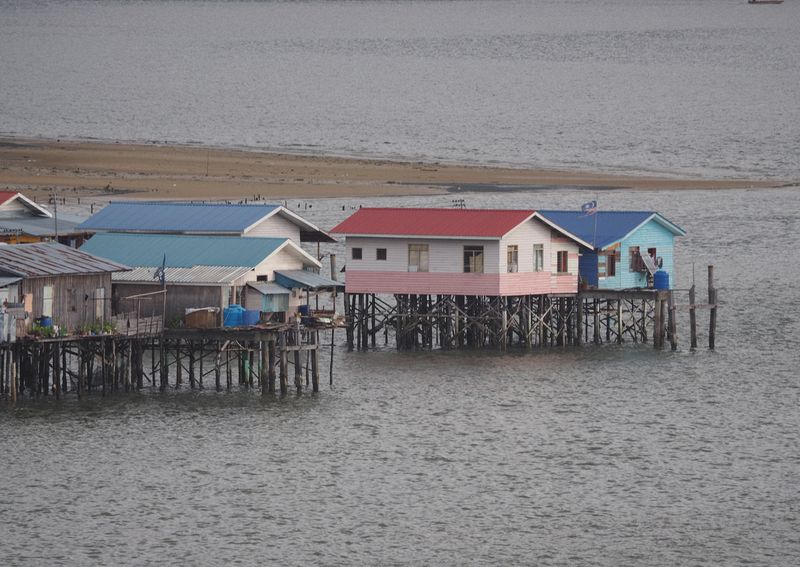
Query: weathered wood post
{"points": [[658, 325], [673, 325], [692, 317], [712, 300], [284, 364], [271, 375], [315, 361], [57, 370], [263, 377]]}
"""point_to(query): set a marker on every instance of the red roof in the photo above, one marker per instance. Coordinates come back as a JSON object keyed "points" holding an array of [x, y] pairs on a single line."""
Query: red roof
{"points": [[6, 195], [482, 223]]}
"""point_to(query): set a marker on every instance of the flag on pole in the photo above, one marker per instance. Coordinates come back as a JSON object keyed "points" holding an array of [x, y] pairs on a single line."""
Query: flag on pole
{"points": [[161, 274], [589, 208]]}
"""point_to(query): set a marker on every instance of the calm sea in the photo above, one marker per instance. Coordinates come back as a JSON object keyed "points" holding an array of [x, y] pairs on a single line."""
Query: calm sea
{"points": [[702, 87], [609, 456]]}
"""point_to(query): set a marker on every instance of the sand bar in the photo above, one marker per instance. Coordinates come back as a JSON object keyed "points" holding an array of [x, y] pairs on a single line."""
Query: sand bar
{"points": [[181, 172]]}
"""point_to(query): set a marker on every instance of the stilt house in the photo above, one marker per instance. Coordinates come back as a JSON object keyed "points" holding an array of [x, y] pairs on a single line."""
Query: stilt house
{"points": [[211, 219], [625, 247], [210, 271], [24, 221], [68, 286], [458, 252]]}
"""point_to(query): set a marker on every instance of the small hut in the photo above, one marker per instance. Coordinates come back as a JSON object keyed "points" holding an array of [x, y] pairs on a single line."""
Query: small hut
{"points": [[625, 249], [58, 284]]}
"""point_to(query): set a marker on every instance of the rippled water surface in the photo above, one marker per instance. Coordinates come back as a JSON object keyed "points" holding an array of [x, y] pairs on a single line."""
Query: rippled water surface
{"points": [[707, 87], [578, 456]]}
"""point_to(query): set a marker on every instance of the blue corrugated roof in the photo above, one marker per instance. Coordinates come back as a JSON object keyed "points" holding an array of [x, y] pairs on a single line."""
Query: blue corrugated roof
{"points": [[604, 227], [182, 251], [160, 216]]}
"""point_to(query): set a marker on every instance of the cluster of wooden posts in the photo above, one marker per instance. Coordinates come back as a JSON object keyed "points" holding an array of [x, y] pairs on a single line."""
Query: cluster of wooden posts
{"points": [[255, 357], [465, 321]]}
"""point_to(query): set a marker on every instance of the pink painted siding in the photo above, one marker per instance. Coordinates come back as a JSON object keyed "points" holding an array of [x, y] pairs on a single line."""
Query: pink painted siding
{"points": [[531, 283]]}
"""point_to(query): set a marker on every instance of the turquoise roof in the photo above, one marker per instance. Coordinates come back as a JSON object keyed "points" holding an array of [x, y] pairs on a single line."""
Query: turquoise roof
{"points": [[182, 251]]}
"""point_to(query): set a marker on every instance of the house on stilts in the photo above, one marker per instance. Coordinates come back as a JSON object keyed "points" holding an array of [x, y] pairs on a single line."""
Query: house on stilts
{"points": [[454, 273], [626, 249]]}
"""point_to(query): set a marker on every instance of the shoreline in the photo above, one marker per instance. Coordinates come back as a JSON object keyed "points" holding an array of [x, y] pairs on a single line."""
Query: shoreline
{"points": [[154, 171]]}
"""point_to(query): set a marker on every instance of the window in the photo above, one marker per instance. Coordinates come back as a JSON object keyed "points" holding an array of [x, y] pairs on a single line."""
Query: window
{"points": [[513, 258], [562, 262], [636, 263], [417, 257], [611, 264], [47, 301], [100, 303], [355, 254], [473, 259], [262, 278], [538, 257], [380, 254]]}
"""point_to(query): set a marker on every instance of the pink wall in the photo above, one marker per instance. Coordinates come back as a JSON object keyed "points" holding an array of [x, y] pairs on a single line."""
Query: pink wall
{"points": [[432, 283]]}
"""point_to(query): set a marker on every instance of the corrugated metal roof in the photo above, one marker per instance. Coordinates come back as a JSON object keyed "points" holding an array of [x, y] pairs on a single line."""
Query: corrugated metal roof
{"points": [[40, 226], [52, 259], [197, 275], [163, 216], [304, 279], [182, 251], [460, 223], [8, 280], [269, 288], [6, 196], [605, 227], [186, 217]]}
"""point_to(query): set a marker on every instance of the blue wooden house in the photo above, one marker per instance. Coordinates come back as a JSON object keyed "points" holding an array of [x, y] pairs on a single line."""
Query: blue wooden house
{"points": [[623, 242]]}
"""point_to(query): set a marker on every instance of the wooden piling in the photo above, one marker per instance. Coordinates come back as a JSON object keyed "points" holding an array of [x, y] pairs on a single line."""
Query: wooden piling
{"points": [[673, 326], [712, 300], [692, 317]]}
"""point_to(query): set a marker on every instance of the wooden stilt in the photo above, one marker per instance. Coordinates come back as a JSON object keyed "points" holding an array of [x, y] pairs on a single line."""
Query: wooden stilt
{"points": [[673, 326], [692, 317], [712, 300]]}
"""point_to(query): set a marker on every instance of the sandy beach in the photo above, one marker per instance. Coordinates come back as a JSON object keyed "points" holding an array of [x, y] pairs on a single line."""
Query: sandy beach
{"points": [[114, 170]]}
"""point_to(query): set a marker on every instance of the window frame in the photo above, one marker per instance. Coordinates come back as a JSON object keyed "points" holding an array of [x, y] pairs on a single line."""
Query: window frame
{"points": [[356, 253], [421, 252], [476, 256], [538, 257], [100, 303], [48, 293], [512, 258], [559, 255], [378, 254]]}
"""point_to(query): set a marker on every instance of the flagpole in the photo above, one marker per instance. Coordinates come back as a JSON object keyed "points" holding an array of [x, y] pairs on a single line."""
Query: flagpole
{"points": [[594, 234]]}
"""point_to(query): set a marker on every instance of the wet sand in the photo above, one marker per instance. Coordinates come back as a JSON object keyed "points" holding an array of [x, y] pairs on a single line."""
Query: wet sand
{"points": [[153, 171]]}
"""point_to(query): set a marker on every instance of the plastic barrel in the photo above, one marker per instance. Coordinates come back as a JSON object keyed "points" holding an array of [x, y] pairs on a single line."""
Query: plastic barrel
{"points": [[232, 316], [661, 279], [45, 321], [304, 310], [250, 317]]}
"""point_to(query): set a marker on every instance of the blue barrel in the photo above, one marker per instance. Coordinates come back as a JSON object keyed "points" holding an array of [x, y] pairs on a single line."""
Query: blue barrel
{"points": [[661, 279], [232, 316], [45, 321], [250, 317], [304, 310]]}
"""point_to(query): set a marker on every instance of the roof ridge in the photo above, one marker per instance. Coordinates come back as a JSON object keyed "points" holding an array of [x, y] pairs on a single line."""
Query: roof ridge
{"points": [[446, 209], [194, 203]]}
